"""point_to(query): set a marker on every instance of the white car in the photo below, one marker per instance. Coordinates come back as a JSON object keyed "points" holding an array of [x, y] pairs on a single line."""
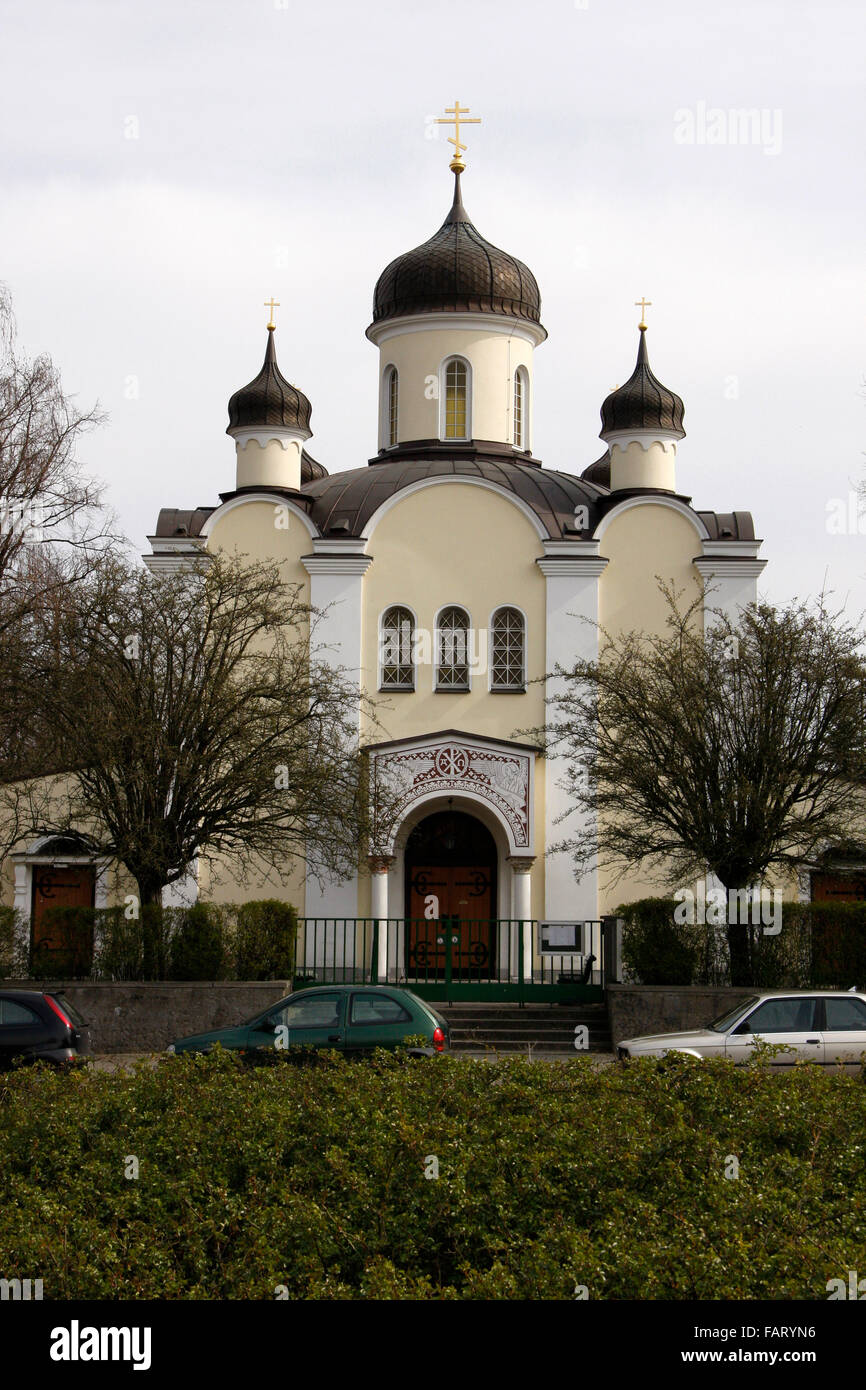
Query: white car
{"points": [[823, 1026]]}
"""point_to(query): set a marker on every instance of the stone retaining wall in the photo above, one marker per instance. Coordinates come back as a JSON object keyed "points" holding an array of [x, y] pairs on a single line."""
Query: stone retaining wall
{"points": [[637, 1009], [147, 1016]]}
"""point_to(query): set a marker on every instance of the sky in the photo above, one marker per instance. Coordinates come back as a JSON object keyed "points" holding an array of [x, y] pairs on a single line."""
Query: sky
{"points": [[166, 168]]}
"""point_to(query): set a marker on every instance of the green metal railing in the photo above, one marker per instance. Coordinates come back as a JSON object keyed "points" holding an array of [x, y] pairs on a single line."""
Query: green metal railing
{"points": [[448, 958]]}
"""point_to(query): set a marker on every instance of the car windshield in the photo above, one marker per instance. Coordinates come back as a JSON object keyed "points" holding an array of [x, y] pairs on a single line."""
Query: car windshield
{"points": [[265, 1013], [723, 1024]]}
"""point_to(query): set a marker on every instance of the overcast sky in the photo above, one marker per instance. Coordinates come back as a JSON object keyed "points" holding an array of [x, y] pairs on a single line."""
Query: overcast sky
{"points": [[284, 148]]}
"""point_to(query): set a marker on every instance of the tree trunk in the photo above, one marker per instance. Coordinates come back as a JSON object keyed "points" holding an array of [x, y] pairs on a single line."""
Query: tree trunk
{"points": [[152, 929], [739, 942]]}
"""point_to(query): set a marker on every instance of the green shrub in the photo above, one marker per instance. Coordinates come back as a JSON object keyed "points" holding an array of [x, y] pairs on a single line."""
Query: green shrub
{"points": [[316, 1180], [655, 949], [197, 949], [265, 936], [13, 958]]}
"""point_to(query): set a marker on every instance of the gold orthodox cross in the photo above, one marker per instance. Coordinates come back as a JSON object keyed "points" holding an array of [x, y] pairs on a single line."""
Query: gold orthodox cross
{"points": [[272, 304], [456, 115], [643, 305]]}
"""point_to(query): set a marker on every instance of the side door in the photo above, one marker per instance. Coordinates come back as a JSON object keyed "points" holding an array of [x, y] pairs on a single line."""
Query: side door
{"points": [[844, 1031], [377, 1020], [790, 1021], [314, 1019], [22, 1031]]}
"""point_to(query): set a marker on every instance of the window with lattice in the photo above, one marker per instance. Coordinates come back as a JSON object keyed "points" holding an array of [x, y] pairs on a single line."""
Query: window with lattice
{"points": [[455, 400], [395, 657], [508, 650], [452, 650], [393, 393]]}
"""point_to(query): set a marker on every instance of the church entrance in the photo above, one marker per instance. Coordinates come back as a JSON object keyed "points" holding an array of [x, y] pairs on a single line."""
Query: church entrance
{"points": [[59, 941], [451, 871]]}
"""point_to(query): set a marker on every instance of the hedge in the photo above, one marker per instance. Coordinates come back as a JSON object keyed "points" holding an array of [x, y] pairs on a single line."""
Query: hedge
{"points": [[248, 941], [820, 945], [309, 1183], [12, 957]]}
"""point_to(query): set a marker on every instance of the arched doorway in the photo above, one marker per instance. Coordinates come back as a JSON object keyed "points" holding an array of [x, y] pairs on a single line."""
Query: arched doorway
{"points": [[451, 868]]}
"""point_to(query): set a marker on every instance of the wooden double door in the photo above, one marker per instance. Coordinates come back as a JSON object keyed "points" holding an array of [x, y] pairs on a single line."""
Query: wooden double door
{"points": [[451, 899], [58, 941]]}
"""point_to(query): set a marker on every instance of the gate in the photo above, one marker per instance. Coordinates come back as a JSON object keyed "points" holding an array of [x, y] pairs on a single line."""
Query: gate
{"points": [[450, 958]]}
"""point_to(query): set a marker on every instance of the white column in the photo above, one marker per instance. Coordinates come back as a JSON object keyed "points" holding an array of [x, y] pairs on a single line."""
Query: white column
{"points": [[521, 906], [730, 570], [336, 572], [379, 867], [23, 892], [572, 570]]}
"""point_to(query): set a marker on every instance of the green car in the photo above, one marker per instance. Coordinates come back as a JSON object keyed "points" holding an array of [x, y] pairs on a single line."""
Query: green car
{"points": [[352, 1019]]}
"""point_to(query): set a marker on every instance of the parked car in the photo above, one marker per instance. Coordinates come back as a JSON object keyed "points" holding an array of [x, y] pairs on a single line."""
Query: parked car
{"points": [[37, 1026], [827, 1027], [352, 1019]]}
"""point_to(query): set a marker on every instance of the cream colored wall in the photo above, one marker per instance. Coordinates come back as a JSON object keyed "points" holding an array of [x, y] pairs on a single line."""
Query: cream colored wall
{"points": [[494, 358], [634, 466], [251, 529], [462, 544], [640, 543], [257, 529], [271, 465]]}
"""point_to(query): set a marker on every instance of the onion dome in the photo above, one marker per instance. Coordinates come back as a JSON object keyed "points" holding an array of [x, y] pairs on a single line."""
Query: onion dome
{"points": [[457, 271], [269, 400], [643, 403], [598, 472]]}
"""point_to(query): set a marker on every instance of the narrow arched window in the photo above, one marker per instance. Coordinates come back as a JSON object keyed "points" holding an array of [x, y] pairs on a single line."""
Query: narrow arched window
{"points": [[508, 654], [519, 410], [396, 639], [456, 400], [452, 650], [393, 392]]}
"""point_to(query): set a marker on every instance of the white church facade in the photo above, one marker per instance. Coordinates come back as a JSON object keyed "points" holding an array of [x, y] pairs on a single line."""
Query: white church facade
{"points": [[455, 570]]}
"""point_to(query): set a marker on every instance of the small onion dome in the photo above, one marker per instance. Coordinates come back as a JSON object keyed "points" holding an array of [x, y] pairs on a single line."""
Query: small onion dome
{"points": [[269, 400], [643, 403], [457, 271]]}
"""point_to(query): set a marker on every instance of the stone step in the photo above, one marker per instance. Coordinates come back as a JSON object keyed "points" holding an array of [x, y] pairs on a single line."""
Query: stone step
{"points": [[509, 1028]]}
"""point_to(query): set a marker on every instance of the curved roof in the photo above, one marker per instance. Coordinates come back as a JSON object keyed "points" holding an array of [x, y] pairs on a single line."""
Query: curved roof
{"points": [[269, 399], [643, 403], [457, 270], [344, 503]]}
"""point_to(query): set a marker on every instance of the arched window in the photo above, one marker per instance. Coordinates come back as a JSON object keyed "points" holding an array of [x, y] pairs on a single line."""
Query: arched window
{"points": [[521, 419], [456, 419], [508, 653], [452, 650], [393, 393], [395, 650]]}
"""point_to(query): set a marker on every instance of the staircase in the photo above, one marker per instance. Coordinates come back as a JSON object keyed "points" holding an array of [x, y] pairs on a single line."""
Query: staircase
{"points": [[541, 1028]]}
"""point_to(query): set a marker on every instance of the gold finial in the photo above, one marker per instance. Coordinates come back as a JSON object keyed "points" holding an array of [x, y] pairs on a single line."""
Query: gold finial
{"points": [[643, 305], [456, 116], [272, 304]]}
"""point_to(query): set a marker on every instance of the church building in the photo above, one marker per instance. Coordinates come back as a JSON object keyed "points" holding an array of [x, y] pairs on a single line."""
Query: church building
{"points": [[456, 569]]}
